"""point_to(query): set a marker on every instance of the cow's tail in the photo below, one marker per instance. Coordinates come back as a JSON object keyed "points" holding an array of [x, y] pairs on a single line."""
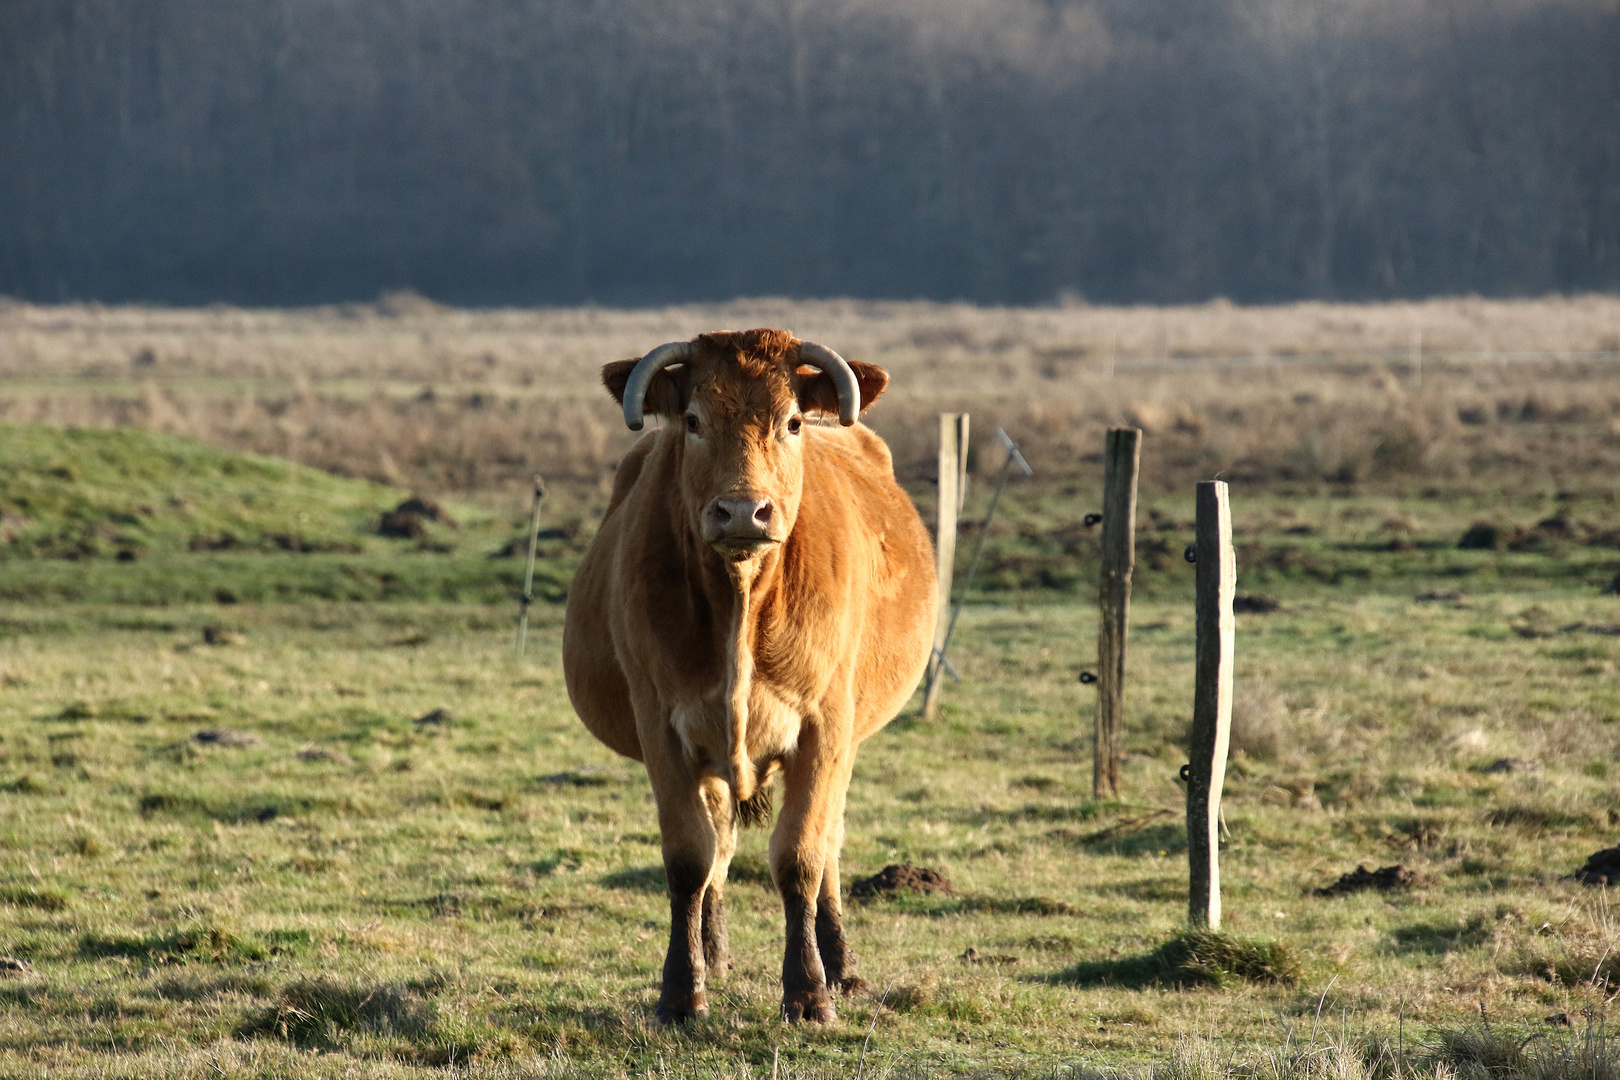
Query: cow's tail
{"points": [[756, 811]]}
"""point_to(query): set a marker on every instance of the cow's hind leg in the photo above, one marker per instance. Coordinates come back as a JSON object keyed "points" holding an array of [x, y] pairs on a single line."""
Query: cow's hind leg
{"points": [[837, 961]]}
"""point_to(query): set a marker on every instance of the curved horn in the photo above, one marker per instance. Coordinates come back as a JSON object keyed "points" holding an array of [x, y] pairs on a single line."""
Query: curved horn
{"points": [[635, 387], [838, 369]]}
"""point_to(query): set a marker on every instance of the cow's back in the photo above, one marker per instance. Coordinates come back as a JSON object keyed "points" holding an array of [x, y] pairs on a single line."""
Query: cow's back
{"points": [[867, 550]]}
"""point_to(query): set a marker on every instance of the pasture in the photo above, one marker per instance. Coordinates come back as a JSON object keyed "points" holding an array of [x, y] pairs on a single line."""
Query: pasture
{"points": [[393, 848]]}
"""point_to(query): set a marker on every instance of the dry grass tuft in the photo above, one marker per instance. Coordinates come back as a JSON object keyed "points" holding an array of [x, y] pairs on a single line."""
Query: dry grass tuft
{"points": [[1259, 720], [323, 1012]]}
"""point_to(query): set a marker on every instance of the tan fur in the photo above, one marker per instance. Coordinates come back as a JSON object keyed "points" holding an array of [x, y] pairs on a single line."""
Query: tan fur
{"points": [[717, 671]]}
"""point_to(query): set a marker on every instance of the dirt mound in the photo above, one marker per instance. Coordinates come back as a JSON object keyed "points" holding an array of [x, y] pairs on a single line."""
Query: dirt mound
{"points": [[1384, 879], [899, 878], [405, 521], [436, 718], [417, 506], [398, 526], [1442, 596], [1602, 868], [1481, 536], [220, 736], [1510, 765], [1254, 604]]}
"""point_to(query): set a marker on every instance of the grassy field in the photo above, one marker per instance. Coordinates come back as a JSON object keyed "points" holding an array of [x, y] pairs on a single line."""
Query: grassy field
{"points": [[290, 805]]}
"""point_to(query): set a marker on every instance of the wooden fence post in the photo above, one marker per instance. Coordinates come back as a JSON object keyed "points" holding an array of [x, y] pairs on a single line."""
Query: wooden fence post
{"points": [[1216, 574], [1122, 461], [953, 445]]}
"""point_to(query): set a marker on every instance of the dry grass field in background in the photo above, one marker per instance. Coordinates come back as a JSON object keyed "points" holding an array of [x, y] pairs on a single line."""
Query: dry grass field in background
{"points": [[1454, 392]]}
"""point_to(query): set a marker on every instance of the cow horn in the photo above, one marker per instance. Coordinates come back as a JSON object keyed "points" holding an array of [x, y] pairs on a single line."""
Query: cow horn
{"points": [[838, 369], [635, 387]]}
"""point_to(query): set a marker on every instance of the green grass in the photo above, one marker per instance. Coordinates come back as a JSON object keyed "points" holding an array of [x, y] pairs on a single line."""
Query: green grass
{"points": [[351, 892], [80, 493], [491, 888], [133, 517]]}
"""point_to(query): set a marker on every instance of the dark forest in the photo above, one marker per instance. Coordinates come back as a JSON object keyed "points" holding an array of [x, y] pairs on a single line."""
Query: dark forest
{"points": [[650, 151]]}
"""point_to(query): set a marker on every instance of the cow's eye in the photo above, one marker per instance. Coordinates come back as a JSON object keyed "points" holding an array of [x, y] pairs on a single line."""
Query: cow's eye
{"points": [[691, 423], [794, 423]]}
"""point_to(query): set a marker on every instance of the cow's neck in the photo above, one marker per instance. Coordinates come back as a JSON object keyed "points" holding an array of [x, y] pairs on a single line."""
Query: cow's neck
{"points": [[739, 594]]}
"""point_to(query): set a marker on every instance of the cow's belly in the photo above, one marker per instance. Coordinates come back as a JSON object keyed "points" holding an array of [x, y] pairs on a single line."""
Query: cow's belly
{"points": [[701, 724]]}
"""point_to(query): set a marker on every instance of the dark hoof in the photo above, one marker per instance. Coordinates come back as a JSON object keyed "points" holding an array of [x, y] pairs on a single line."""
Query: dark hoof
{"points": [[815, 1007], [854, 984], [680, 1009]]}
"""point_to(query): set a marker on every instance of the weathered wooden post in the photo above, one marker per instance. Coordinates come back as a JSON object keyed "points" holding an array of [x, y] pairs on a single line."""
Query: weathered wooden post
{"points": [[1122, 461], [528, 575], [1216, 575], [953, 446]]}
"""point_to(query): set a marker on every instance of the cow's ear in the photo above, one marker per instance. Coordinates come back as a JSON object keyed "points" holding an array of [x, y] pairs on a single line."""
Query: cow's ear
{"points": [[666, 394], [818, 394]]}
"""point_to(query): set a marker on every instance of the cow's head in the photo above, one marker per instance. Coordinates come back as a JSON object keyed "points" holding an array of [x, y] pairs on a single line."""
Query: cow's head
{"points": [[738, 402]]}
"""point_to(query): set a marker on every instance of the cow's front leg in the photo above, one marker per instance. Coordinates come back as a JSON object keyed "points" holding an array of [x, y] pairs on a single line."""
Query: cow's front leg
{"points": [[689, 855], [716, 942], [837, 961], [815, 782], [684, 995]]}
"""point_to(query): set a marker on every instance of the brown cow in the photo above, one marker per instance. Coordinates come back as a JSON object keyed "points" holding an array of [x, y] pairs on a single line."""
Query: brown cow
{"points": [[760, 598]]}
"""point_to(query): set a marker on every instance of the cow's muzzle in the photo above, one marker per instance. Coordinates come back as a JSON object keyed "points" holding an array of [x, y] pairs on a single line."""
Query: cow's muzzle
{"points": [[740, 528]]}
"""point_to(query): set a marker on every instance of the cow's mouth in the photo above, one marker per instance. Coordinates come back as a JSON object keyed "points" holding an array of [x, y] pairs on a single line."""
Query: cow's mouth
{"points": [[741, 548]]}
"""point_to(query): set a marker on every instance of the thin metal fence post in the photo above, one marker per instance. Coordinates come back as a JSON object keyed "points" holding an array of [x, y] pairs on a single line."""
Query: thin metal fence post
{"points": [[940, 664], [1216, 575], [1122, 461], [528, 575]]}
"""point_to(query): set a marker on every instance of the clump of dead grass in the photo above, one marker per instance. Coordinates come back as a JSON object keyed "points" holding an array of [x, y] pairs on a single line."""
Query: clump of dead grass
{"points": [[323, 1012], [1259, 720]]}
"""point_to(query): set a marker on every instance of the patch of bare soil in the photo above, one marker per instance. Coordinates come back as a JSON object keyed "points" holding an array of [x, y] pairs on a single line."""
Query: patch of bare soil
{"points": [[417, 506], [1384, 879], [311, 752], [406, 521], [1510, 765], [225, 737], [1602, 868], [1254, 604], [900, 878]]}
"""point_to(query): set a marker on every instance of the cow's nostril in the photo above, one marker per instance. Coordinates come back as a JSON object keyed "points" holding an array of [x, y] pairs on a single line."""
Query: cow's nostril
{"points": [[762, 513], [721, 514]]}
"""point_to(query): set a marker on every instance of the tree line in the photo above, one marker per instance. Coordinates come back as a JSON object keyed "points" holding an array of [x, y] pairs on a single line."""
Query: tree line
{"points": [[651, 151]]}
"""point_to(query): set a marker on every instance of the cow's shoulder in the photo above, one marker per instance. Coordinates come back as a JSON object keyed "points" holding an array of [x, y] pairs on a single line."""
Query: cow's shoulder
{"points": [[855, 451], [630, 470]]}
